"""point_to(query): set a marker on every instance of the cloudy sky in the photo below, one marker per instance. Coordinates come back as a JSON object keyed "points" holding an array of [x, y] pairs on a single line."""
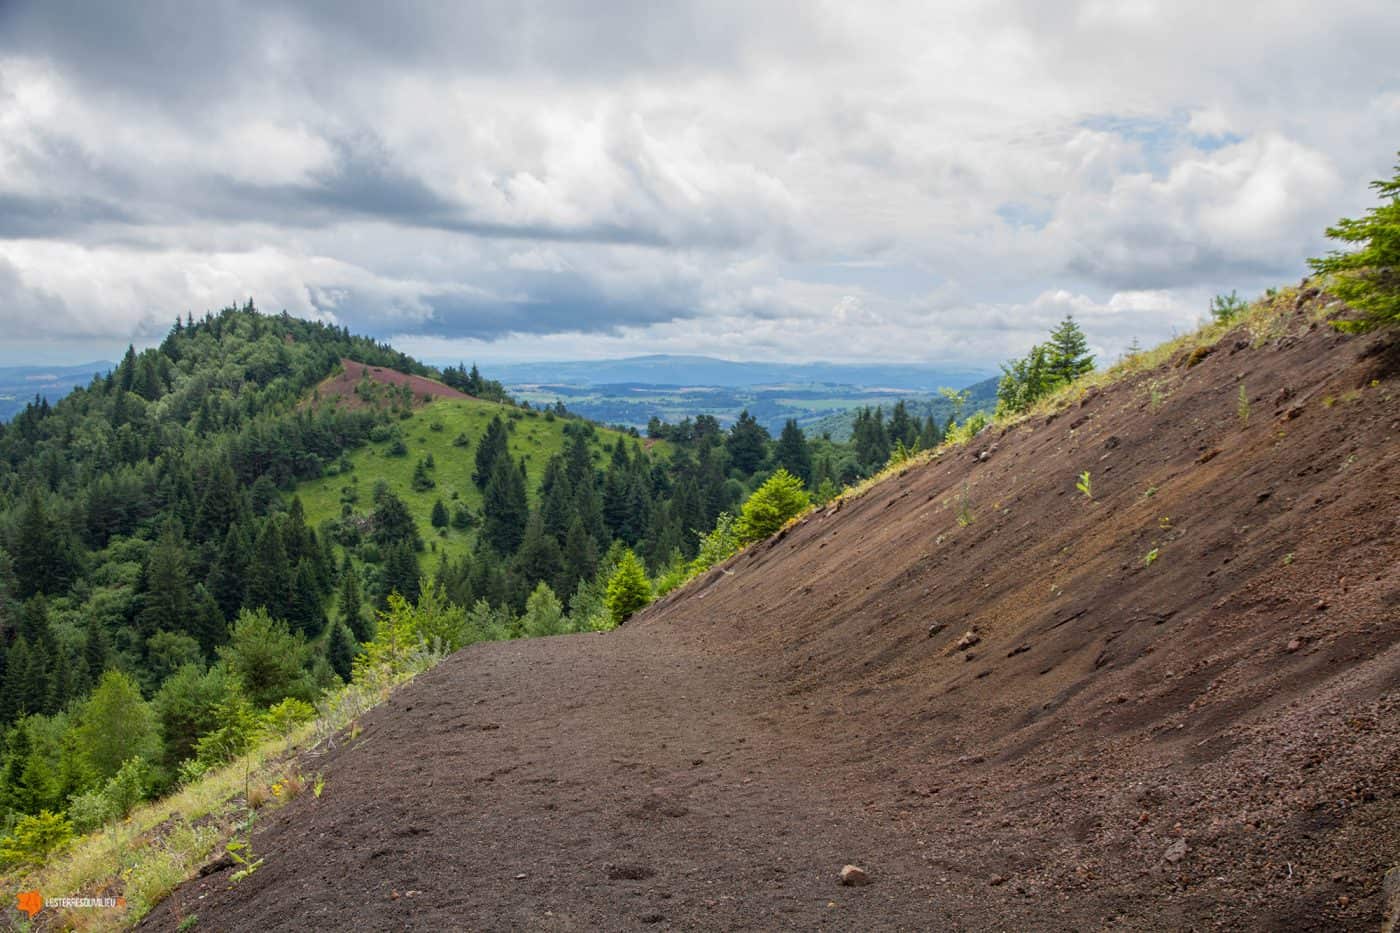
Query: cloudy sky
{"points": [[935, 181]]}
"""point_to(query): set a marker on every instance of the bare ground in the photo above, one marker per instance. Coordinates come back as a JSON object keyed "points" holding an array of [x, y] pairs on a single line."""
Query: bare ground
{"points": [[1209, 740]]}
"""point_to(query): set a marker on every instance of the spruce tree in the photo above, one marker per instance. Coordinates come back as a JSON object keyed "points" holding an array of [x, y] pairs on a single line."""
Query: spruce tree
{"points": [[747, 444], [792, 453], [628, 588], [304, 613], [504, 508], [351, 605], [166, 600], [340, 652], [1068, 352], [439, 517], [539, 559], [493, 447], [269, 584], [400, 574], [228, 574]]}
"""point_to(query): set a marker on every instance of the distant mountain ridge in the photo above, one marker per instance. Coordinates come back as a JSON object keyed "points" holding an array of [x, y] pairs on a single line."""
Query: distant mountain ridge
{"points": [[19, 384], [680, 370]]}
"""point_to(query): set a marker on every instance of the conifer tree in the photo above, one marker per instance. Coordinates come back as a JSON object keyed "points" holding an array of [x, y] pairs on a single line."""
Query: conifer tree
{"points": [[493, 446], [747, 444], [792, 453], [439, 517], [400, 574], [269, 583], [229, 571], [166, 601], [340, 652], [1067, 352], [504, 509], [351, 605], [628, 588]]}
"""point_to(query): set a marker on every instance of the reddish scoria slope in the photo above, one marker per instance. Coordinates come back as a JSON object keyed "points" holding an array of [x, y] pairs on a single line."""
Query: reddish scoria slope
{"points": [[1207, 741]]}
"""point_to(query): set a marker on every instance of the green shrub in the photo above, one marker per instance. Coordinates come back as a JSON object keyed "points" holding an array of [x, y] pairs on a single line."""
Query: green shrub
{"points": [[628, 589], [780, 498], [34, 839], [544, 613]]}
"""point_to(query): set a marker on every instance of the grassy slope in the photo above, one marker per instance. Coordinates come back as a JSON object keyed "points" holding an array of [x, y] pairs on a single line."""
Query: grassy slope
{"points": [[531, 434]]}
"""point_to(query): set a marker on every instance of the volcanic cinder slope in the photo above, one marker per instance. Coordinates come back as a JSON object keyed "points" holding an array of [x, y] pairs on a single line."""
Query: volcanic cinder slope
{"points": [[1206, 739]]}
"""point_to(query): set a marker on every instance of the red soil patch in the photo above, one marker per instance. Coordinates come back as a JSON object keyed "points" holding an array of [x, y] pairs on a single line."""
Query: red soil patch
{"points": [[1208, 741], [341, 387]]}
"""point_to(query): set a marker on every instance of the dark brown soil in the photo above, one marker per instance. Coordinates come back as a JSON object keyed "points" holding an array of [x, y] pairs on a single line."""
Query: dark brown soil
{"points": [[341, 387], [1209, 741]]}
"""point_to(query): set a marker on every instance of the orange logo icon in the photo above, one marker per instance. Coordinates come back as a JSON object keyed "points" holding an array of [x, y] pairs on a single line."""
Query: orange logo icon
{"points": [[31, 902]]}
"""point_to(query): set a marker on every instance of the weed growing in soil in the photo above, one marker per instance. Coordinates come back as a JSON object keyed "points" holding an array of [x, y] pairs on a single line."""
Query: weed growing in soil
{"points": [[1242, 406], [964, 507], [1151, 558], [1085, 485]]}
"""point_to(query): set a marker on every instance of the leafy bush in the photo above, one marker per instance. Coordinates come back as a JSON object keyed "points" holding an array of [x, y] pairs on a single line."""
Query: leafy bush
{"points": [[720, 544], [780, 498]]}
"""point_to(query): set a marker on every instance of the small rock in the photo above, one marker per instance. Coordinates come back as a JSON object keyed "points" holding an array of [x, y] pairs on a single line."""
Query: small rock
{"points": [[653, 917], [998, 880], [1390, 892], [936, 627], [1175, 852], [969, 639], [853, 876], [1294, 645], [1111, 442], [1321, 606], [521, 877]]}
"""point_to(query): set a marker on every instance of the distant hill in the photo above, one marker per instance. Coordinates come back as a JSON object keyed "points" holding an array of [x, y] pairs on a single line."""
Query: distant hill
{"points": [[982, 397], [669, 370], [19, 384]]}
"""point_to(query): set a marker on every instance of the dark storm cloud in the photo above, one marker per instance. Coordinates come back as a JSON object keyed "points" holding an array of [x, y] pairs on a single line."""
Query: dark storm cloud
{"points": [[24, 216], [555, 304]]}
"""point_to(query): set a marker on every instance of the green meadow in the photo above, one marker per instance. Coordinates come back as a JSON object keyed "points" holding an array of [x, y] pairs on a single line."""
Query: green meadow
{"points": [[437, 430]]}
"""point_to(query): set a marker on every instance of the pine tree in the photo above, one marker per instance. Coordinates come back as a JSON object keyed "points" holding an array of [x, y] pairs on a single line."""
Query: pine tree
{"points": [[401, 574], [229, 571], [43, 557], [1368, 278], [556, 499], [221, 505], [493, 447], [269, 583], [747, 444], [340, 652], [439, 517], [539, 559], [304, 612], [504, 508], [392, 521], [1068, 352], [628, 588], [351, 605], [792, 453], [580, 556], [166, 602]]}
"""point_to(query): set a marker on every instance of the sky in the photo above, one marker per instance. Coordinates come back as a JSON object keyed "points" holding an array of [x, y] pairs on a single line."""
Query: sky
{"points": [[525, 180]]}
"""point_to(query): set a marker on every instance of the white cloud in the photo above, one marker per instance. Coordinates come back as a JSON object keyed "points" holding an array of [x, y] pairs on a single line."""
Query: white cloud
{"points": [[887, 180]]}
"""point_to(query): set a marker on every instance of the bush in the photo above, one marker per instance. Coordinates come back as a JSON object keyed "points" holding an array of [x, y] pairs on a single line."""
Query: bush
{"points": [[770, 507], [267, 660], [34, 839], [628, 589]]}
